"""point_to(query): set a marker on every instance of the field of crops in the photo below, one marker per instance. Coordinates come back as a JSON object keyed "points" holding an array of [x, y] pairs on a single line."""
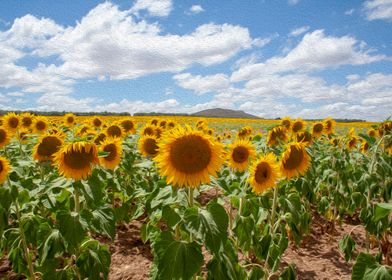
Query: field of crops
{"points": [[209, 198]]}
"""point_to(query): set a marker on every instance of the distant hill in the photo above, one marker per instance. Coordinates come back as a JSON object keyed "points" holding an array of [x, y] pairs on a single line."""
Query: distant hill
{"points": [[224, 113]]}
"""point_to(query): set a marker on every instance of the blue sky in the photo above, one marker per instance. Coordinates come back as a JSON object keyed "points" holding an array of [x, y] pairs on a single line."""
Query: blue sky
{"points": [[302, 58]]}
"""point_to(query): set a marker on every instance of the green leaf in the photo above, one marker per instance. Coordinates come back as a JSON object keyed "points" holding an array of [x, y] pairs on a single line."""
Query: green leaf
{"points": [[382, 210], [367, 268], [378, 272], [177, 260], [288, 273], [170, 216], [209, 225], [70, 226], [53, 246], [347, 246]]}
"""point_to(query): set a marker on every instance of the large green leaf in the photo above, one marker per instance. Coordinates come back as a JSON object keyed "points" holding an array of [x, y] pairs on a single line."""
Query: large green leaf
{"points": [[209, 225], [367, 268], [347, 246], [382, 210], [71, 228], [177, 260]]}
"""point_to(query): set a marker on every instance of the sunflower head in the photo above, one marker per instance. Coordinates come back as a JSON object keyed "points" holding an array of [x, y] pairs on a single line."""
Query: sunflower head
{"points": [[163, 123], [4, 137], [171, 124], [298, 125], [99, 138], [4, 169], [148, 145], [69, 119], [115, 130], [26, 120], [76, 160], [148, 130], [112, 146], [128, 126], [352, 142], [329, 125], [304, 136], [295, 160], [188, 157], [158, 131], [276, 135], [23, 136], [40, 124], [11, 121], [264, 174], [154, 122], [47, 146], [372, 132], [364, 146], [317, 129], [96, 122], [335, 142], [240, 154], [286, 122]]}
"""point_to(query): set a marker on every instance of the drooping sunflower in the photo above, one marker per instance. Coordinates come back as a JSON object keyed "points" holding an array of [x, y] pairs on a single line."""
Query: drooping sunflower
{"points": [[298, 125], [317, 129], [240, 153], [69, 119], [335, 142], [352, 142], [276, 135], [26, 120], [115, 130], [148, 145], [40, 124], [372, 132], [364, 146], [295, 160], [188, 157], [99, 138], [4, 137], [47, 146], [11, 121], [113, 147], [128, 126], [76, 160], [329, 125], [4, 169], [264, 174], [286, 122], [304, 136]]}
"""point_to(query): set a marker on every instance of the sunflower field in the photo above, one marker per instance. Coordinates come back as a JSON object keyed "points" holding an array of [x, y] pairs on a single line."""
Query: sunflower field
{"points": [[215, 199]]}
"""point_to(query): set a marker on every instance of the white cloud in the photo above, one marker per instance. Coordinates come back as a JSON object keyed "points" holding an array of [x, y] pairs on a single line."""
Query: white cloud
{"points": [[293, 2], [378, 9], [157, 8], [125, 105], [316, 51], [349, 12], [195, 9], [16, 94], [298, 31], [202, 84]]}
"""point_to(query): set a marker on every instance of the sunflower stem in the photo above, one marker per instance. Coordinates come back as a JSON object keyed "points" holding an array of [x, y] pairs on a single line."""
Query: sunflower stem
{"points": [[23, 238], [190, 201], [77, 200]]}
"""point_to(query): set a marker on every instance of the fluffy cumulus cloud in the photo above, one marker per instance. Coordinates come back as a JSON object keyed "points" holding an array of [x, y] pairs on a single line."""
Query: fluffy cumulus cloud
{"points": [[378, 9], [196, 9], [202, 84], [157, 8]]}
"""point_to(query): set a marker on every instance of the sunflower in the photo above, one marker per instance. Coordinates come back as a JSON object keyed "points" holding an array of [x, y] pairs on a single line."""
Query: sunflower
{"points": [[26, 120], [372, 132], [188, 157], [304, 136], [22, 136], [76, 160], [113, 147], [69, 119], [364, 146], [47, 146], [40, 124], [171, 124], [317, 129], [83, 130], [99, 138], [295, 160], [286, 122], [298, 125], [240, 153], [11, 121], [276, 135], [4, 169], [352, 142], [334, 141], [128, 126], [329, 125], [96, 122], [264, 174], [148, 130], [158, 132], [4, 137], [163, 123], [148, 145], [115, 130], [154, 122]]}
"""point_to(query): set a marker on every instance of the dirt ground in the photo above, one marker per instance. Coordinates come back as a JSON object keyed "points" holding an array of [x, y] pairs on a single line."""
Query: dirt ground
{"points": [[318, 256]]}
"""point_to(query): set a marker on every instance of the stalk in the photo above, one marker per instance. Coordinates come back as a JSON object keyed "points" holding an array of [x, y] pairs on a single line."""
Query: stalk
{"points": [[77, 200], [190, 202]]}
